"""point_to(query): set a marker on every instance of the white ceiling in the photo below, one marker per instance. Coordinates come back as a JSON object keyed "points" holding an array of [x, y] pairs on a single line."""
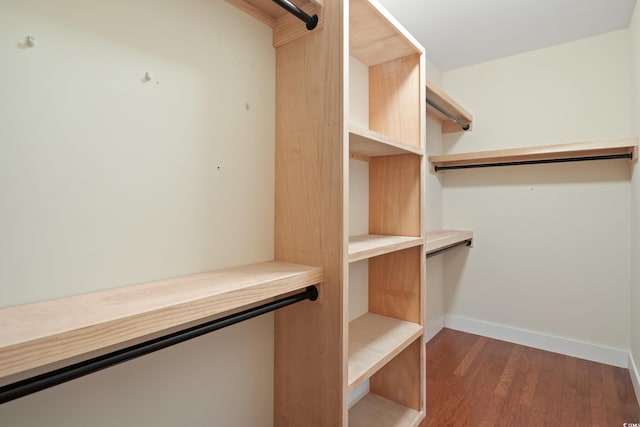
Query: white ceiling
{"points": [[457, 33]]}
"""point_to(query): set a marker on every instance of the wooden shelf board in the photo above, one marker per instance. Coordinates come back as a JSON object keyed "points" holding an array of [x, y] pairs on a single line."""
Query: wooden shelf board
{"points": [[562, 151], [371, 245], [375, 36], [441, 98], [267, 11], [367, 143], [441, 239], [373, 341], [376, 411], [38, 335]]}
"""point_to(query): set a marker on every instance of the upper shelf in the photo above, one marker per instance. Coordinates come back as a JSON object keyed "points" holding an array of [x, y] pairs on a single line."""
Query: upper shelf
{"points": [[375, 36], [371, 245], [626, 148], [438, 241], [49, 333], [437, 96], [365, 143]]}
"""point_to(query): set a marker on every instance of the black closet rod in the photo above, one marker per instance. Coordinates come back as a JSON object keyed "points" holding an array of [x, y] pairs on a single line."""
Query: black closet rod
{"points": [[463, 125], [448, 248], [534, 162], [311, 21], [49, 379]]}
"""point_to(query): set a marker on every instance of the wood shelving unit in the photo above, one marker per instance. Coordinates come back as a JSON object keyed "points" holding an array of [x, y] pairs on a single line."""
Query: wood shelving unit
{"points": [[562, 152], [50, 333], [441, 98], [373, 341], [371, 245], [313, 372], [443, 239], [385, 344]]}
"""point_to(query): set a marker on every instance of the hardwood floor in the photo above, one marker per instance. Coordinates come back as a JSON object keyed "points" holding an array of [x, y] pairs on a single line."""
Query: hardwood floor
{"points": [[478, 381]]}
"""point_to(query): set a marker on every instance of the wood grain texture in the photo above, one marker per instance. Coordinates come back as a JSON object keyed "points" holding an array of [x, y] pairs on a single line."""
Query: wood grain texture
{"points": [[371, 245], [395, 285], [373, 341], [474, 380], [269, 13], [440, 97], [265, 11], [441, 239], [37, 335], [394, 100], [376, 411], [375, 36], [288, 27], [395, 195], [561, 151], [397, 380], [310, 213]]}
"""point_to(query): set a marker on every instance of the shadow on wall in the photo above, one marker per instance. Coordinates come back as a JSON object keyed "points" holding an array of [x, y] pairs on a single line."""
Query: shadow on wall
{"points": [[166, 29], [558, 173], [456, 260]]}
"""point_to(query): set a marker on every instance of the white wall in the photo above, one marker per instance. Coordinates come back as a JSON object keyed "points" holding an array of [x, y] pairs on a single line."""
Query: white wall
{"points": [[635, 195], [434, 308], [551, 249], [107, 180]]}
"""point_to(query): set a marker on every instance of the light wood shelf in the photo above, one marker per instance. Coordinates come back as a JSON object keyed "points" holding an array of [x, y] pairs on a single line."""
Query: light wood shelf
{"points": [[442, 239], [43, 334], [373, 341], [375, 36], [376, 411], [371, 245], [441, 98], [364, 144], [541, 153]]}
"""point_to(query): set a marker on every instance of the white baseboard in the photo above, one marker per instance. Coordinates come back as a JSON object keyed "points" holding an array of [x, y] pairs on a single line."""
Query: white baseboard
{"points": [[432, 328], [635, 376], [569, 347]]}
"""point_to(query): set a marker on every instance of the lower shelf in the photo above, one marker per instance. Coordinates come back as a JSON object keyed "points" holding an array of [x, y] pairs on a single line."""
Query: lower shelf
{"points": [[376, 411], [373, 341]]}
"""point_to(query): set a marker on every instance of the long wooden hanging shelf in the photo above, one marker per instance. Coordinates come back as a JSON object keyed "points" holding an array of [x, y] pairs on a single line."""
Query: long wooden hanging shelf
{"points": [[440, 241], [451, 115], [39, 337], [581, 151]]}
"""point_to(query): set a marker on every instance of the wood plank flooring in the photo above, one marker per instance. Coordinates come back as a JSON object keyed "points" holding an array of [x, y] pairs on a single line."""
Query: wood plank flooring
{"points": [[478, 381]]}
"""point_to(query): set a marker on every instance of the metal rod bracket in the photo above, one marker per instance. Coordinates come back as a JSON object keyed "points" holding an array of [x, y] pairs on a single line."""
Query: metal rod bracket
{"points": [[311, 21], [448, 248]]}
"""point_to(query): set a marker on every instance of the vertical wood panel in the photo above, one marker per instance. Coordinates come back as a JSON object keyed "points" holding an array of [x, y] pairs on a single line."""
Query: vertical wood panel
{"points": [[394, 99], [310, 362], [398, 380], [394, 285], [395, 195]]}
